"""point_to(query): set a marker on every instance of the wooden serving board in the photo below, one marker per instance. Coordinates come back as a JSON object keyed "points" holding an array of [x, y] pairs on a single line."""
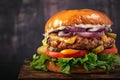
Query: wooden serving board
{"points": [[26, 73]]}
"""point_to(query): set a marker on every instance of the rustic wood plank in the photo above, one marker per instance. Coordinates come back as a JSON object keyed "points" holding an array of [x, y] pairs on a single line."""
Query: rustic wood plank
{"points": [[26, 73]]}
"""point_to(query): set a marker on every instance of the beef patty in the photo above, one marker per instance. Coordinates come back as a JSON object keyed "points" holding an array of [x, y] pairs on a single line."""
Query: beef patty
{"points": [[82, 43]]}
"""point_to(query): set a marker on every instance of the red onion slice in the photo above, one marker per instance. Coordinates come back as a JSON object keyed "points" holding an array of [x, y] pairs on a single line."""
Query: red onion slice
{"points": [[91, 34], [94, 32], [74, 29], [63, 34], [100, 29]]}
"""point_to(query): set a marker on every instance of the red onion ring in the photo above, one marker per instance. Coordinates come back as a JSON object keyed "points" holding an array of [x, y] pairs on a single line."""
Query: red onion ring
{"points": [[91, 34], [99, 29], [63, 34], [94, 32], [74, 29]]}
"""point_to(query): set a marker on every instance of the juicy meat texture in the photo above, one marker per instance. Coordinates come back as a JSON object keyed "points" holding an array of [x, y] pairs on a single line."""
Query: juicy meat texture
{"points": [[82, 43]]}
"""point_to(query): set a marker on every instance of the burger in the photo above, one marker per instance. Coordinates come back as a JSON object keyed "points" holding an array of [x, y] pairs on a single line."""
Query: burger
{"points": [[77, 41]]}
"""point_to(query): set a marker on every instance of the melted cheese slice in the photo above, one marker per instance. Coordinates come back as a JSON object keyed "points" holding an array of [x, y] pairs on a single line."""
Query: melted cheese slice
{"points": [[69, 51], [70, 40]]}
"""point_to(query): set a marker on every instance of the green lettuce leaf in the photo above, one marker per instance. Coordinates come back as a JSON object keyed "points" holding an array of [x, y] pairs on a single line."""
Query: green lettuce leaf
{"points": [[44, 41], [90, 61], [67, 63], [38, 62]]}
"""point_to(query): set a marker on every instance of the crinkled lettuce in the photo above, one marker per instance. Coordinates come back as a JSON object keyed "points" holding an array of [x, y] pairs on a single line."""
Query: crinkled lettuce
{"points": [[90, 61], [38, 62], [44, 41]]}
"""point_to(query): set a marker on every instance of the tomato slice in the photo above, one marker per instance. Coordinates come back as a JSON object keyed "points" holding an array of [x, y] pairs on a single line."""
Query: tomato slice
{"points": [[81, 53], [110, 51], [54, 54]]}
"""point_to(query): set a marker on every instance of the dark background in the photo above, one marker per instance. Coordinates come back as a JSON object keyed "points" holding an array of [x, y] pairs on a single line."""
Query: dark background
{"points": [[22, 25]]}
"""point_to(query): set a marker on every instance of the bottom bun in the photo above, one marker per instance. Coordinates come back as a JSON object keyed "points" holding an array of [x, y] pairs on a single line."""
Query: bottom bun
{"points": [[55, 68]]}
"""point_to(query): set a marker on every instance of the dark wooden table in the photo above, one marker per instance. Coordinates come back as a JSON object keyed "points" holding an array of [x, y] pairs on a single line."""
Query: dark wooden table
{"points": [[26, 73]]}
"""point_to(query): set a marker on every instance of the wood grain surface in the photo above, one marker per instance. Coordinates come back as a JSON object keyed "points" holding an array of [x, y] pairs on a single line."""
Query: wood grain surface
{"points": [[26, 73]]}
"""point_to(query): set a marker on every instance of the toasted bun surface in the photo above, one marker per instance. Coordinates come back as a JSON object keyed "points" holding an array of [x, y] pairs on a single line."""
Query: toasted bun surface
{"points": [[72, 17], [55, 68]]}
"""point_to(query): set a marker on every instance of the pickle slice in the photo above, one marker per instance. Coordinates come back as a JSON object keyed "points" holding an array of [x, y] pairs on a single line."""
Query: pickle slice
{"points": [[112, 35], [114, 45], [41, 49], [98, 49]]}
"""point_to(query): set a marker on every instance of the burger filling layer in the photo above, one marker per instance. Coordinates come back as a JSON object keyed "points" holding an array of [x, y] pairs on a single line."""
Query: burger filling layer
{"points": [[70, 47], [75, 37], [79, 43]]}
